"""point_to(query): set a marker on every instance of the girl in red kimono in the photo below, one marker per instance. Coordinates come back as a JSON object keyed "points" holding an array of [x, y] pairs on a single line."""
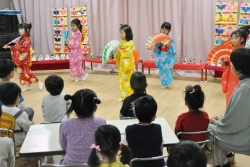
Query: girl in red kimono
{"points": [[229, 81], [21, 57]]}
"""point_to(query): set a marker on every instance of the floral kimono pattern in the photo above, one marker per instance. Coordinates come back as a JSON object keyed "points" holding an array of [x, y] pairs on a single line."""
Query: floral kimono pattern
{"points": [[76, 55], [165, 60], [125, 63], [228, 81], [21, 57]]}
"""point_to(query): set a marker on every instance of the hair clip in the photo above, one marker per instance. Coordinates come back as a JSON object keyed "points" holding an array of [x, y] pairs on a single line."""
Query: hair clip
{"points": [[192, 91], [94, 99], [120, 143], [95, 147]]}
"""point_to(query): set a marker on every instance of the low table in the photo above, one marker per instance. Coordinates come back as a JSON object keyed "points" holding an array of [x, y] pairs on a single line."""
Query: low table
{"points": [[218, 71], [49, 65], [169, 137], [151, 64], [96, 60]]}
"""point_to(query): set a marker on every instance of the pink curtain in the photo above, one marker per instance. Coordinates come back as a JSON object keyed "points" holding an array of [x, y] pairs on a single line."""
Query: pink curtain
{"points": [[192, 22]]}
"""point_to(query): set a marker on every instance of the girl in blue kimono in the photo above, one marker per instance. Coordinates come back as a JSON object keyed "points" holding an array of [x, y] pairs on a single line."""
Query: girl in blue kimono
{"points": [[165, 57]]}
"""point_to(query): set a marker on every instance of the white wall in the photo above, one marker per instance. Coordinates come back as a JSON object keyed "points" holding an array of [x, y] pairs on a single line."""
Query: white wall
{"points": [[5, 4]]}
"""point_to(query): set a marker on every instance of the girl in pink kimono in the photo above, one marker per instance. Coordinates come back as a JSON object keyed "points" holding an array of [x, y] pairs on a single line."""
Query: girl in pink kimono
{"points": [[75, 52]]}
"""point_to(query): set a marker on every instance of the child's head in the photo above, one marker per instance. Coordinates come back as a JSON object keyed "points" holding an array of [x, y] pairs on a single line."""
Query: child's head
{"points": [[6, 69], [239, 37], [0, 111], [229, 28], [240, 59], [194, 97], [126, 32], [10, 93], [245, 28], [83, 103], [145, 109], [187, 154], [76, 25], [138, 82], [24, 28], [54, 85], [165, 28], [108, 143]]}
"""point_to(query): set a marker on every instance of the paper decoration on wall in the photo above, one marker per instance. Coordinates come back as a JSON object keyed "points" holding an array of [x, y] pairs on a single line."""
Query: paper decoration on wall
{"points": [[81, 14], [225, 21], [244, 18], [60, 26]]}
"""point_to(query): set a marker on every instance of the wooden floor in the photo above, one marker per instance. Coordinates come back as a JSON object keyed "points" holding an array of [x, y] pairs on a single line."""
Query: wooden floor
{"points": [[170, 101]]}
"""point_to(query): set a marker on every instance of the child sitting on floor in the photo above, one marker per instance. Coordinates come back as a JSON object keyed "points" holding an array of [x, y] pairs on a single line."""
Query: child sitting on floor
{"points": [[10, 97], [54, 107], [138, 84], [145, 138], [106, 147], [194, 120]]}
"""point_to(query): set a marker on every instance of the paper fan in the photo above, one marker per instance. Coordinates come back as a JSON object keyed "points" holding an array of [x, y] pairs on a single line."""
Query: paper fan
{"points": [[217, 53], [109, 50], [160, 37], [227, 43]]}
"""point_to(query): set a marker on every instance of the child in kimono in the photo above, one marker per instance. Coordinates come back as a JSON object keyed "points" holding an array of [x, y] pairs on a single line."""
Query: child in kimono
{"points": [[21, 57], [75, 52], [165, 57], [125, 61], [229, 81]]}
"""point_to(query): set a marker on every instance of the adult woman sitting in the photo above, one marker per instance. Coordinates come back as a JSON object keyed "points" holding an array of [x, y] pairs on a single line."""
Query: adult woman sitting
{"points": [[232, 131]]}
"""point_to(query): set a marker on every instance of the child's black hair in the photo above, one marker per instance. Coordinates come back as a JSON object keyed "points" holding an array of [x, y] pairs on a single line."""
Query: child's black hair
{"points": [[138, 82], [6, 67], [187, 154], [166, 25], [240, 59], [242, 34], [26, 26], [145, 108], [77, 23], [83, 103], [128, 31], [194, 97], [108, 138], [9, 93], [245, 28], [1, 111], [54, 85]]}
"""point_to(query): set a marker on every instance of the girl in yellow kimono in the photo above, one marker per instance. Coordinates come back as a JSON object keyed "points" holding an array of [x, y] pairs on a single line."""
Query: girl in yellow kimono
{"points": [[125, 61]]}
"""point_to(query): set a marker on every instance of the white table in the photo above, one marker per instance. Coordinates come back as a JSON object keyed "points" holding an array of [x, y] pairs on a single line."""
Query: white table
{"points": [[169, 137], [42, 140]]}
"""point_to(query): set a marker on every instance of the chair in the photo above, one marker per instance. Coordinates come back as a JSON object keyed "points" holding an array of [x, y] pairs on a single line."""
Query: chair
{"points": [[204, 141], [48, 165], [224, 154], [147, 159], [7, 121], [51, 122], [124, 118]]}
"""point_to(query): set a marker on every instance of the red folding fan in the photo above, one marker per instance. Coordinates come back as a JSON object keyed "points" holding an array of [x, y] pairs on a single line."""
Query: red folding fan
{"points": [[217, 53], [157, 38], [227, 43]]}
